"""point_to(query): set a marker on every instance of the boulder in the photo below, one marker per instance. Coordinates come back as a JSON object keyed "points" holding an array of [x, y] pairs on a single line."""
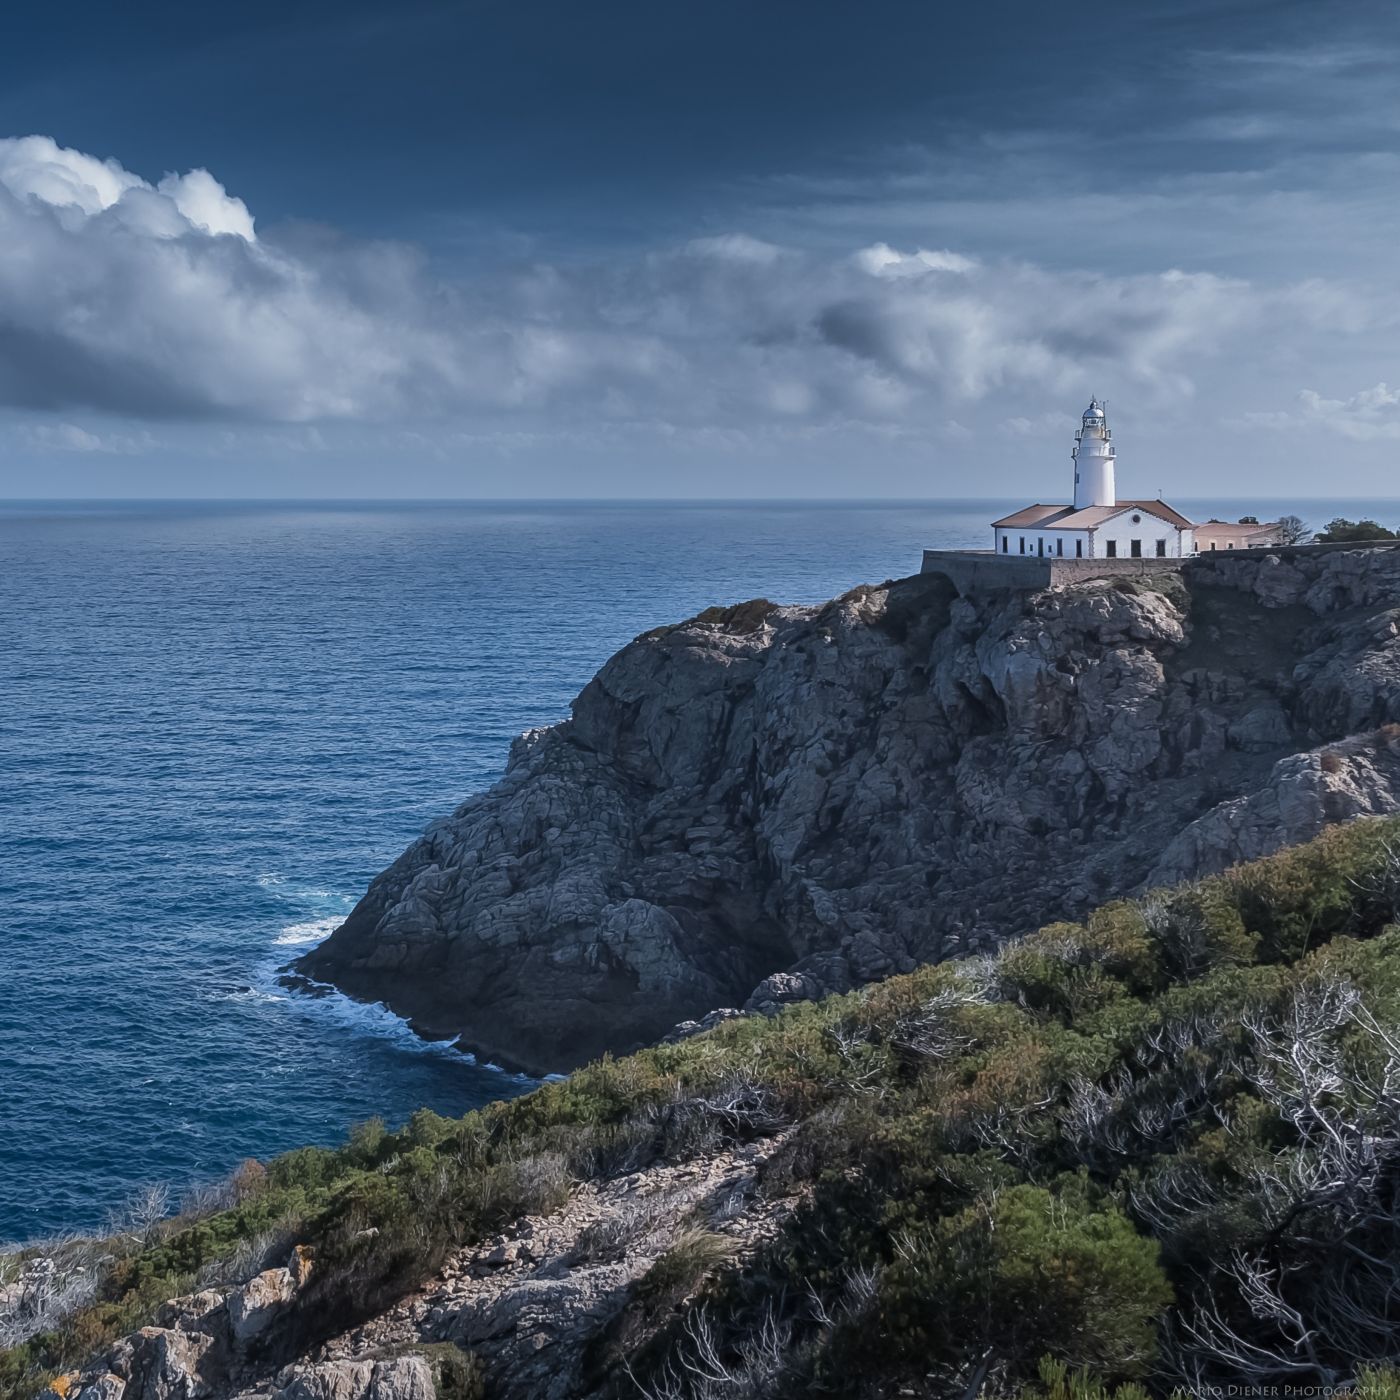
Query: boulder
{"points": [[195, 1312], [162, 1363], [104, 1386], [252, 1308], [397, 1378]]}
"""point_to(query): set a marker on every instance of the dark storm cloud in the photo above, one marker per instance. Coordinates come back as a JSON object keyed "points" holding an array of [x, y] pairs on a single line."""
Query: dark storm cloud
{"points": [[539, 220]]}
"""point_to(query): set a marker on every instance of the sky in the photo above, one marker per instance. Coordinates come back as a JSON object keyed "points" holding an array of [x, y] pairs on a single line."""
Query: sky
{"points": [[780, 249]]}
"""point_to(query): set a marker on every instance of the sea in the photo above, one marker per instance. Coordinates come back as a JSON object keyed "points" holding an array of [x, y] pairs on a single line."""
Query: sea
{"points": [[218, 721]]}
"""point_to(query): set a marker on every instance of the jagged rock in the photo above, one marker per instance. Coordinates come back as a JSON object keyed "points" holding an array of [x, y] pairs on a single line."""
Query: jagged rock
{"points": [[532, 1335], [105, 1386], [300, 1265], [161, 1363], [769, 803], [398, 1378], [253, 1307], [707, 1022], [197, 1312]]}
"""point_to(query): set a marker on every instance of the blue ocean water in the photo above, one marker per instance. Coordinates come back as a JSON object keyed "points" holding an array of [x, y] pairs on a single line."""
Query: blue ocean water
{"points": [[218, 722]]}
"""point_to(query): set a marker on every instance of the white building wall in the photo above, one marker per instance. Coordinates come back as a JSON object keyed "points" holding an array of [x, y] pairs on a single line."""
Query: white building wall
{"points": [[1123, 531], [1008, 542], [1120, 529]]}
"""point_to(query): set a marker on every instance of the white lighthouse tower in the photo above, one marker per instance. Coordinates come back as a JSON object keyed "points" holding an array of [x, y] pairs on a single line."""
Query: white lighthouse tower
{"points": [[1098, 525], [1093, 461]]}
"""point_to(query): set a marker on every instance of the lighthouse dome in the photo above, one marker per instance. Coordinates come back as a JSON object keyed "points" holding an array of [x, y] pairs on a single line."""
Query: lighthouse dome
{"points": [[1094, 413]]}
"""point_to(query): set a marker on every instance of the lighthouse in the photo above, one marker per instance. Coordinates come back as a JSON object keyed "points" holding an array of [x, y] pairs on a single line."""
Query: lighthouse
{"points": [[1098, 525], [1093, 461]]}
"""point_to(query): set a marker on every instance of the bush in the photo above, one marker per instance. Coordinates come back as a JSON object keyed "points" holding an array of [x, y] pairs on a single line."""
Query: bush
{"points": [[1029, 1272]]}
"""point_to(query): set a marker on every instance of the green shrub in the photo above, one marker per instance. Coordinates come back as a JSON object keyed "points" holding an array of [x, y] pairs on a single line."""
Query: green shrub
{"points": [[1028, 1272]]}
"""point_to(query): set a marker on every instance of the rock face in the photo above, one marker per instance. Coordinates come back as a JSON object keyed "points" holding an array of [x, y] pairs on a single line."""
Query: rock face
{"points": [[769, 803]]}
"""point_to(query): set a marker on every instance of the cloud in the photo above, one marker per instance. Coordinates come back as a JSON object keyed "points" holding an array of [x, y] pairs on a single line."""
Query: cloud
{"points": [[71, 437], [37, 168], [1015, 326], [735, 247], [1370, 415], [880, 260], [163, 301]]}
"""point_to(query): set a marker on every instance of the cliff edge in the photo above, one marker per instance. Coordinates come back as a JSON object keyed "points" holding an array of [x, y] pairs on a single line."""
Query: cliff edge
{"points": [[767, 803]]}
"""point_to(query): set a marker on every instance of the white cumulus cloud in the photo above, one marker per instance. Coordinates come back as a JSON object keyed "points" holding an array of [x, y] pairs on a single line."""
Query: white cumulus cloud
{"points": [[160, 300], [1370, 415]]}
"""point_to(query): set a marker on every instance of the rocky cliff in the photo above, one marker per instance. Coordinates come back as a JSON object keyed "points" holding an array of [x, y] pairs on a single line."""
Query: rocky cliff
{"points": [[767, 803]]}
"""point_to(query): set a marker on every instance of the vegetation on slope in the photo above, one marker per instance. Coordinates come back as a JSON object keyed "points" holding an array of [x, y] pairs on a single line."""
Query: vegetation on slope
{"points": [[1157, 1150]]}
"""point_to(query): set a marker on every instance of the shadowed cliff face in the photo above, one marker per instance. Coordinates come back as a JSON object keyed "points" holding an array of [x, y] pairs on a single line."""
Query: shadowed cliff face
{"points": [[769, 803]]}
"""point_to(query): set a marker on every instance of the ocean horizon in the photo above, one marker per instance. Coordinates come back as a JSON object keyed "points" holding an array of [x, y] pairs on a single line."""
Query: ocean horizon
{"points": [[223, 718]]}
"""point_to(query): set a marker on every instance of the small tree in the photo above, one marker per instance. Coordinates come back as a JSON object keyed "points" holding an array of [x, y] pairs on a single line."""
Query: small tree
{"points": [[1293, 529], [1341, 530]]}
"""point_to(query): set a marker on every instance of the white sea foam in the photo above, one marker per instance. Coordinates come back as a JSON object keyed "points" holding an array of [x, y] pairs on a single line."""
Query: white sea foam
{"points": [[280, 886], [241, 994], [308, 931], [330, 1004], [374, 1018]]}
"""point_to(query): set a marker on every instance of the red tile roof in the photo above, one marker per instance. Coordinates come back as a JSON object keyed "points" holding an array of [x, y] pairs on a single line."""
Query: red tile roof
{"points": [[1032, 515], [1223, 529], [1067, 518]]}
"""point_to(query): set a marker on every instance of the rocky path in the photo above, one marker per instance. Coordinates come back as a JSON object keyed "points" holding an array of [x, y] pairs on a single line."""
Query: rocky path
{"points": [[530, 1302]]}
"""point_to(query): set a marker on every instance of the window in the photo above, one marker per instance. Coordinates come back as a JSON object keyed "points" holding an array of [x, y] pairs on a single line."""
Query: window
{"points": [[1111, 548], [1079, 549], [1060, 546], [1135, 549], [1161, 549], [1023, 544], [1040, 546], [1005, 543], [1230, 544], [1212, 546], [1137, 520]]}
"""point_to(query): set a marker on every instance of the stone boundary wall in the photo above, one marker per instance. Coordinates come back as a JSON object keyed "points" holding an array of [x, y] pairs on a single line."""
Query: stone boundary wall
{"points": [[976, 570], [983, 571]]}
